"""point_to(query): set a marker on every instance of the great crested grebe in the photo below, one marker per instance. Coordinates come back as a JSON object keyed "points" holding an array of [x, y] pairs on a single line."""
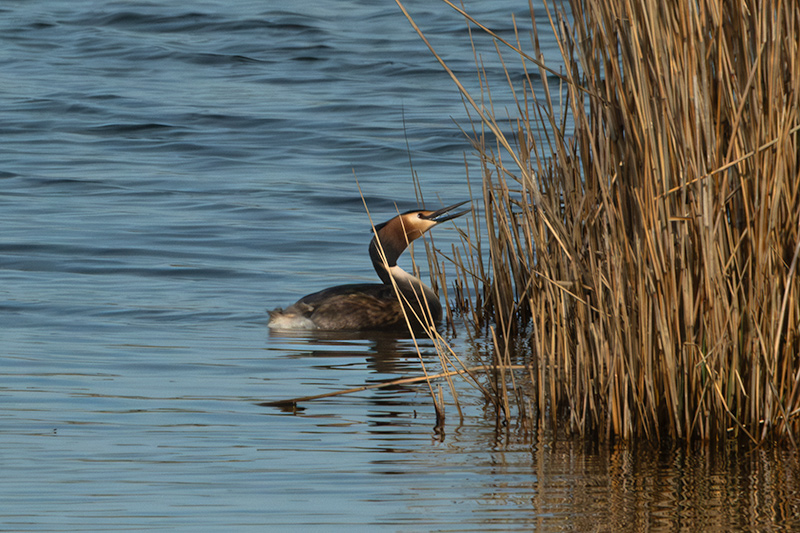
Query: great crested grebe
{"points": [[371, 306]]}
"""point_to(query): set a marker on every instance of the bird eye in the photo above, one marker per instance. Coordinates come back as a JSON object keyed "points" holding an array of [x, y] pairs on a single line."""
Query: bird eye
{"points": [[419, 215]]}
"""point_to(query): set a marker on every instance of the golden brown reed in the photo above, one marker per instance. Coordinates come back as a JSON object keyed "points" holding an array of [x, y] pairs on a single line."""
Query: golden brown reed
{"points": [[642, 208]]}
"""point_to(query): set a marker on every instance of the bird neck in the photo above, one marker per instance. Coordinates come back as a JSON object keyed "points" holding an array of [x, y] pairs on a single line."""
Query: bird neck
{"points": [[388, 269], [416, 292], [384, 255]]}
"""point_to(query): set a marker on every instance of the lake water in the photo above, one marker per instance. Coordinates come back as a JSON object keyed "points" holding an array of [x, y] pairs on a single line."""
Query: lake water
{"points": [[169, 171]]}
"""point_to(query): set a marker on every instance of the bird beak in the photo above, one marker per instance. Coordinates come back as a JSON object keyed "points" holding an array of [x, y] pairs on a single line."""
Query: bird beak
{"points": [[443, 215]]}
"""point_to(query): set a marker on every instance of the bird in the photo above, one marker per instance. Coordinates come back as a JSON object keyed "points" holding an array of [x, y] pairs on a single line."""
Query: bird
{"points": [[374, 306]]}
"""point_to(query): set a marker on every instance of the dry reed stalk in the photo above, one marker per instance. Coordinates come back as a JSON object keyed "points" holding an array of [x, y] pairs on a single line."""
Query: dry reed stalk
{"points": [[292, 402], [423, 321], [643, 218]]}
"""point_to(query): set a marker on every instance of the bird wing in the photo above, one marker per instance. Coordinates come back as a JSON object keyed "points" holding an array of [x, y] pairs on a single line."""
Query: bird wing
{"points": [[356, 306]]}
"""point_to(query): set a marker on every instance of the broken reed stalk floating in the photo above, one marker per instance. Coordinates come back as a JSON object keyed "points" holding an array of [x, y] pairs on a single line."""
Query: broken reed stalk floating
{"points": [[642, 206], [290, 402]]}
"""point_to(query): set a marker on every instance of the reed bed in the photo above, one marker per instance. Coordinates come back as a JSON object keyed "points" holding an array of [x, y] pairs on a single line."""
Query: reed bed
{"points": [[642, 219]]}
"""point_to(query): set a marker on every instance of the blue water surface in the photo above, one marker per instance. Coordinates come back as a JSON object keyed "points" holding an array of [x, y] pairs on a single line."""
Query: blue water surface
{"points": [[171, 170]]}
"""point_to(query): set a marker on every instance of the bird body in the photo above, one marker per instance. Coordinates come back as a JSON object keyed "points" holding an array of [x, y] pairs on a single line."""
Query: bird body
{"points": [[374, 306]]}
